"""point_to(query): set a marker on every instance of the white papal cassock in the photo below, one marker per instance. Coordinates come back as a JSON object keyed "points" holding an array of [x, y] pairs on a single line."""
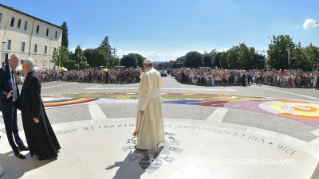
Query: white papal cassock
{"points": [[150, 127]]}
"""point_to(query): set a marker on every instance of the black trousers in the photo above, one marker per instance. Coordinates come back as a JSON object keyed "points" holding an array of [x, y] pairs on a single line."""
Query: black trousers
{"points": [[10, 122]]}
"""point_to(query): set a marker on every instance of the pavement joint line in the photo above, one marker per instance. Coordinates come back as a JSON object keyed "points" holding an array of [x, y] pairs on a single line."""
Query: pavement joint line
{"points": [[55, 86], [96, 112], [189, 89], [217, 115], [305, 96], [315, 132]]}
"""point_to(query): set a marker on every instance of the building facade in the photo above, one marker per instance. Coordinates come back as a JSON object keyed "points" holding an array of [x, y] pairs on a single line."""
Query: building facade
{"points": [[27, 36]]}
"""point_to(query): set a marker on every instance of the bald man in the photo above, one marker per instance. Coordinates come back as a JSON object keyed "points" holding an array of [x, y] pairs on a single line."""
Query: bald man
{"points": [[9, 96]]}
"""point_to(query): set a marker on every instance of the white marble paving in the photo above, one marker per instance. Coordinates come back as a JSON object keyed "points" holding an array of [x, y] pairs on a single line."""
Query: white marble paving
{"points": [[96, 112], [218, 115], [104, 148]]}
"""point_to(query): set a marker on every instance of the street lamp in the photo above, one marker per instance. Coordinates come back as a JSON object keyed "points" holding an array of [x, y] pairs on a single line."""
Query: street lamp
{"points": [[3, 44]]}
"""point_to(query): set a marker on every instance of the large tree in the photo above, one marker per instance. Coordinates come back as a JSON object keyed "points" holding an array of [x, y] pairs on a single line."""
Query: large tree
{"points": [[60, 56], [100, 58], [278, 51], [65, 35], [80, 58], [88, 55], [207, 59], [312, 57], [132, 60], [298, 58], [105, 45], [193, 59]]}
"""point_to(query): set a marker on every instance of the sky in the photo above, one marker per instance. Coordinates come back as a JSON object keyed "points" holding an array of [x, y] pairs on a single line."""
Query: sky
{"points": [[164, 30]]}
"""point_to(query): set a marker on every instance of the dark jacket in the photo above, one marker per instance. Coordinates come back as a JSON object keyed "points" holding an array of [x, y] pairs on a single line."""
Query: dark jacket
{"points": [[5, 88]]}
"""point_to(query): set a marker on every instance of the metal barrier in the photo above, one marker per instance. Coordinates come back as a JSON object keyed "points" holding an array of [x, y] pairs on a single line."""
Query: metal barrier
{"points": [[235, 81], [101, 79]]}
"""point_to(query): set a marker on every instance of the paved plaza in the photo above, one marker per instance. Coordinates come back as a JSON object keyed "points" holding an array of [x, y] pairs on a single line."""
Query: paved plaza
{"points": [[211, 132]]}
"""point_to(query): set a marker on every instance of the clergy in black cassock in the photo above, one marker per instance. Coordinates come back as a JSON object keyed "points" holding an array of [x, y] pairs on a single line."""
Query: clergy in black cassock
{"points": [[38, 131]]}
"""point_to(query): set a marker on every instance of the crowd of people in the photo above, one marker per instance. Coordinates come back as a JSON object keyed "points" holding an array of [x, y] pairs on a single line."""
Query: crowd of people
{"points": [[215, 77], [91, 75], [198, 76]]}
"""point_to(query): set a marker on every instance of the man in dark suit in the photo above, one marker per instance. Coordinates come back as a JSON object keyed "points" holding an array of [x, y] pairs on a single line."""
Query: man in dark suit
{"points": [[9, 95], [38, 131], [317, 85], [244, 79]]}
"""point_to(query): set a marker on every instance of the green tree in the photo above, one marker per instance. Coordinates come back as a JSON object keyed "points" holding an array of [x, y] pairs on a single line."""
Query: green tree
{"points": [[216, 60], [223, 62], [60, 56], [312, 57], [193, 59], [246, 57], [207, 58], [277, 52], [65, 35], [129, 60], [100, 58], [88, 55], [232, 57], [132, 60], [105, 45], [117, 62], [298, 58], [80, 58]]}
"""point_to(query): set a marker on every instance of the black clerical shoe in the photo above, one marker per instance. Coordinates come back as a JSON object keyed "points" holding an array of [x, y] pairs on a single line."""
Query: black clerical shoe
{"points": [[41, 158], [19, 155], [23, 148]]}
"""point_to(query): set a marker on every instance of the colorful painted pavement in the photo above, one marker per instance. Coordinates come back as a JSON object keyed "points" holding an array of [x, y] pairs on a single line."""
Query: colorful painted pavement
{"points": [[61, 101], [305, 112]]}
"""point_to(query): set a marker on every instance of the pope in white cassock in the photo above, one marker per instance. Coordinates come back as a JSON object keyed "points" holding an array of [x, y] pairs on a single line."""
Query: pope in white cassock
{"points": [[149, 121]]}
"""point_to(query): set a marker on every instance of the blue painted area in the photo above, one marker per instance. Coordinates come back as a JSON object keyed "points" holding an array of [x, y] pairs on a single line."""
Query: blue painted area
{"points": [[189, 102]]}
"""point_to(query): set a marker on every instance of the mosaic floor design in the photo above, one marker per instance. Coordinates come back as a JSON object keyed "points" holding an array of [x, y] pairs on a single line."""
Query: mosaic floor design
{"points": [[305, 112]]}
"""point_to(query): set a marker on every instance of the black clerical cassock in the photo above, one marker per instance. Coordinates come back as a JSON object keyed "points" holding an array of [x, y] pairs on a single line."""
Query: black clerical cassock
{"points": [[40, 136]]}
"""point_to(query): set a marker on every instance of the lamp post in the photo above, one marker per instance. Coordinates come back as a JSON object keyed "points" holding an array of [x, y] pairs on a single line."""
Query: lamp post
{"points": [[3, 44]]}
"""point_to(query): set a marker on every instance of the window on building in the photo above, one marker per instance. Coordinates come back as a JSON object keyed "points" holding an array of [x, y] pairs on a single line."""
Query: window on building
{"points": [[9, 45], [35, 62], [35, 48], [45, 49], [19, 24], [0, 17], [47, 32], [38, 28], [54, 49], [12, 22], [22, 46], [25, 25], [44, 63], [56, 34]]}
